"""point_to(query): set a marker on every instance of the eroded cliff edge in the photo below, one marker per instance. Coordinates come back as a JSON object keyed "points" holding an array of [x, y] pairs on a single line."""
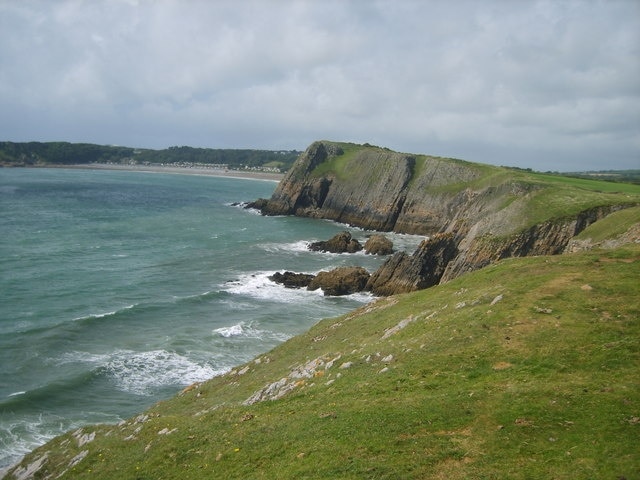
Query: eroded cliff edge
{"points": [[474, 214]]}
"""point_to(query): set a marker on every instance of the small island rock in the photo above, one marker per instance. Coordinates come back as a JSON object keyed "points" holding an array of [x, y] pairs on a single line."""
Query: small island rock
{"points": [[341, 281], [378, 245], [341, 243]]}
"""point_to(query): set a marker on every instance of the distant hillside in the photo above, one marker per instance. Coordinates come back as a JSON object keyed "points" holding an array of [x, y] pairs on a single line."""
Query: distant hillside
{"points": [[64, 153], [619, 176], [525, 369]]}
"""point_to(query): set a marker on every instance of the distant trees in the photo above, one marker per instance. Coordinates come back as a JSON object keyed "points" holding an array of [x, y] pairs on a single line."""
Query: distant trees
{"points": [[65, 153]]}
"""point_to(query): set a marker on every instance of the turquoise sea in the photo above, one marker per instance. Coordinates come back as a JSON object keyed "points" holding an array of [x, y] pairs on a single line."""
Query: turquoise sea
{"points": [[119, 288]]}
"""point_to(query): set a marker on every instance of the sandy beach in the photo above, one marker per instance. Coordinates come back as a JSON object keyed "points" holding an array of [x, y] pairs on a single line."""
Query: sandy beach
{"points": [[214, 172]]}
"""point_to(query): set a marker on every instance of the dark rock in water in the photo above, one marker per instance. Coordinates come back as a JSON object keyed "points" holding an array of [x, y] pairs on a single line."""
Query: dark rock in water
{"points": [[341, 243], [341, 281], [258, 204], [292, 279], [424, 268], [378, 245]]}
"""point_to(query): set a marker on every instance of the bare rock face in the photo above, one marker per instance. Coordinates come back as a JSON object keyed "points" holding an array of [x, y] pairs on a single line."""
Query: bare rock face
{"points": [[341, 243], [378, 245], [341, 281], [368, 192], [547, 238], [405, 273]]}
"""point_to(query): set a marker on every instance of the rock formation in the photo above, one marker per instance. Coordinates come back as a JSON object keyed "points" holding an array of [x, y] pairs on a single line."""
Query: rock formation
{"points": [[405, 273], [340, 243], [292, 279], [341, 281], [487, 213], [378, 245]]}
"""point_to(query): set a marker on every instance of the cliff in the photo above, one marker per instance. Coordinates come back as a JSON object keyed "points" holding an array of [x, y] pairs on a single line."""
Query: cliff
{"points": [[483, 213]]}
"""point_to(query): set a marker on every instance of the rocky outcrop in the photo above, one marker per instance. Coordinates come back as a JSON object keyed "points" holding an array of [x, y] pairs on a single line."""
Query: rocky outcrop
{"points": [[378, 245], [368, 192], [341, 281], [546, 238], [292, 279], [406, 273], [336, 282], [343, 242], [476, 214]]}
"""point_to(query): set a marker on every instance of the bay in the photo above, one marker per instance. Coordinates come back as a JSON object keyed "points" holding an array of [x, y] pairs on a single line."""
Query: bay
{"points": [[119, 288]]}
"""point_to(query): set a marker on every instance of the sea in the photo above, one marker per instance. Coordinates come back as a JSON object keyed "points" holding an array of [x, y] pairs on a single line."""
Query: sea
{"points": [[119, 288]]}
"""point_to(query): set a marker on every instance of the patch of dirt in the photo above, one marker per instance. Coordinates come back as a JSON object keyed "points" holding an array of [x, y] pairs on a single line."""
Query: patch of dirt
{"points": [[502, 366]]}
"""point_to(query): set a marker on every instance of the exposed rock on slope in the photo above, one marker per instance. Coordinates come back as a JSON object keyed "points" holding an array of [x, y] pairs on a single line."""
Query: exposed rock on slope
{"points": [[406, 273], [488, 213]]}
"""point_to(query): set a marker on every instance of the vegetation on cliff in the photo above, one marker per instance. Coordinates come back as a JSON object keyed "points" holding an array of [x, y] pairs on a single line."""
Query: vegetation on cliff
{"points": [[524, 369]]}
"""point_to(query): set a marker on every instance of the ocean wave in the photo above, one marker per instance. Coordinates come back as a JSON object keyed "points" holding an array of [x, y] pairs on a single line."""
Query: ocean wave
{"points": [[257, 285], [198, 297], [142, 373], [245, 330], [151, 304], [301, 246], [92, 316]]}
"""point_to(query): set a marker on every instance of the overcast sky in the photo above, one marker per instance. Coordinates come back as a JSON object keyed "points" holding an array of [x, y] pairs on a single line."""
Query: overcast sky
{"points": [[550, 85]]}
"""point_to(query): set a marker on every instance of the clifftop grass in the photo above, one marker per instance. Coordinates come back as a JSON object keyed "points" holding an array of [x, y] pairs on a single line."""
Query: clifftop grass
{"points": [[525, 369], [538, 197]]}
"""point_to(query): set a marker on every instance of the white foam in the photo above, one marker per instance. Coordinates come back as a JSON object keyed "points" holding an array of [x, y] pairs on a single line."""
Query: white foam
{"points": [[257, 285], [143, 372], [249, 331], [232, 331], [106, 314], [301, 246]]}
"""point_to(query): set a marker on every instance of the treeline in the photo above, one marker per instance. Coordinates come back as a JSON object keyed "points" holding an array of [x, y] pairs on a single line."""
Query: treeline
{"points": [[621, 176], [65, 153]]}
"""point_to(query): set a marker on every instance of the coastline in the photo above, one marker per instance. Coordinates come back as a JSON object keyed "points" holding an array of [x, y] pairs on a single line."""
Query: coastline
{"points": [[212, 172]]}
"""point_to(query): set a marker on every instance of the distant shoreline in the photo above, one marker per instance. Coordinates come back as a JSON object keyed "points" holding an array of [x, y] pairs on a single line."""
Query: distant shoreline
{"points": [[213, 172]]}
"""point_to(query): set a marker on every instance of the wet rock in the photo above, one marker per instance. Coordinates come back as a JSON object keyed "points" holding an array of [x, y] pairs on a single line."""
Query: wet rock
{"points": [[292, 279], [341, 281], [341, 243], [378, 245]]}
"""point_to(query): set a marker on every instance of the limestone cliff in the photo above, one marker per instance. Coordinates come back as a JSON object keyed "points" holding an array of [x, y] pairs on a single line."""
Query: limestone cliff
{"points": [[485, 213]]}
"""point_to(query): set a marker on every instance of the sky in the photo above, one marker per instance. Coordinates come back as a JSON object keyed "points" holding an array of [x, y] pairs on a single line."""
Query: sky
{"points": [[547, 85]]}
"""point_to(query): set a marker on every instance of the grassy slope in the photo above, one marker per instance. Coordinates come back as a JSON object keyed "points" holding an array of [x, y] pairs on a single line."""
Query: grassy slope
{"points": [[540, 384]]}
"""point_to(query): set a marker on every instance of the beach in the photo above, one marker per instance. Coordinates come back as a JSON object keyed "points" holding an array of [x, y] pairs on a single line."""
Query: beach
{"points": [[246, 174]]}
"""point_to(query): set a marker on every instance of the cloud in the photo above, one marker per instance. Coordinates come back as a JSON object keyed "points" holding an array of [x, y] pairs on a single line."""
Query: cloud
{"points": [[547, 85]]}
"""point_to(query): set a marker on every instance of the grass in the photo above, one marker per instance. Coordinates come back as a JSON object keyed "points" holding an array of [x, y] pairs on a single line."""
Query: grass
{"points": [[613, 225], [525, 369]]}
